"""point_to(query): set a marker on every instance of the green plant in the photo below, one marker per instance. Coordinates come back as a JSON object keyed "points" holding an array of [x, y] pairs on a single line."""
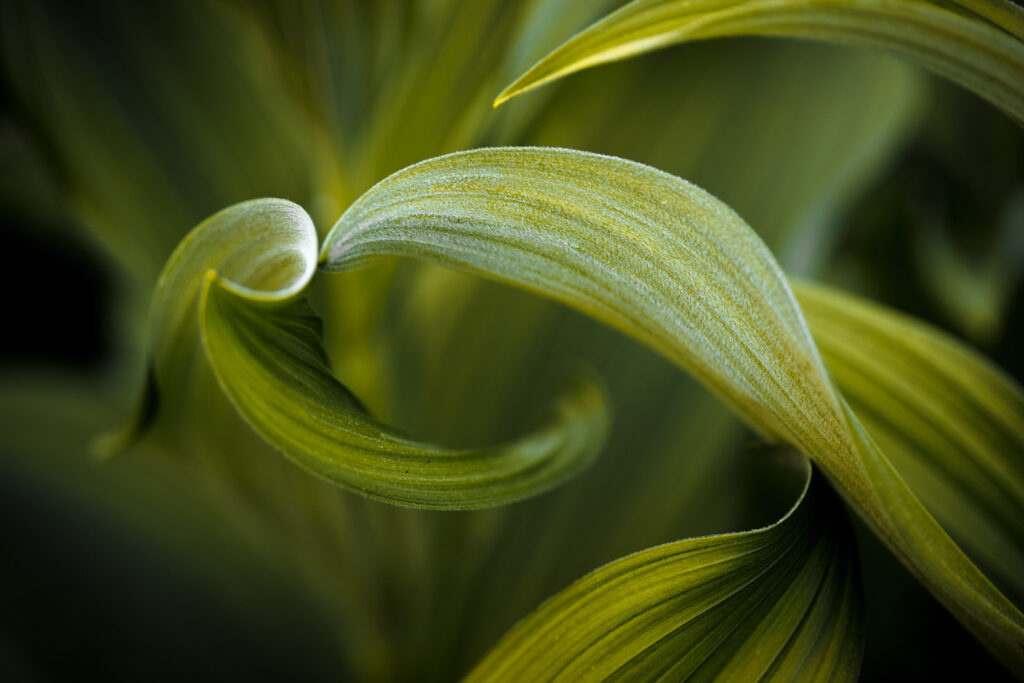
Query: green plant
{"points": [[362, 110]]}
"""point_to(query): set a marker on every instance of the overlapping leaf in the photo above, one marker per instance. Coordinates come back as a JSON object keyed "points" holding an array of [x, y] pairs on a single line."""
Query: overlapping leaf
{"points": [[669, 264], [961, 45], [245, 270], [826, 118], [778, 603], [951, 423]]}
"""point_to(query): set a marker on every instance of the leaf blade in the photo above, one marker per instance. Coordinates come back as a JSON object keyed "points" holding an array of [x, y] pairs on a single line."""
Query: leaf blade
{"points": [[235, 286], [942, 414], [668, 264], [965, 49], [271, 366], [739, 606], [603, 219]]}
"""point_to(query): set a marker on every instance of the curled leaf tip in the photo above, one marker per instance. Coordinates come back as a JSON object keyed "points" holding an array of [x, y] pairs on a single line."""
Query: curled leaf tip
{"points": [[235, 290]]}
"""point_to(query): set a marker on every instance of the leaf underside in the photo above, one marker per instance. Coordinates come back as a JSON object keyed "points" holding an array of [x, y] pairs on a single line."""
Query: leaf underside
{"points": [[778, 603]]}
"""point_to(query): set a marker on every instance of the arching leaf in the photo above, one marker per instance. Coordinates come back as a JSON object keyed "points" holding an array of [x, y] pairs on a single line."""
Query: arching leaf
{"points": [[672, 266], [951, 422], [270, 364], [956, 44]]}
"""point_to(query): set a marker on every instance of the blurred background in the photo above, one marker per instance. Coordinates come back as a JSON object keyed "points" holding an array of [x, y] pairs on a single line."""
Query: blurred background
{"points": [[204, 554]]}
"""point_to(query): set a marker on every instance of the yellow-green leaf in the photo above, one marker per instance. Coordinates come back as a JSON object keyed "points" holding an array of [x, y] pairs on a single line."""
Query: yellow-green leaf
{"points": [[269, 362], [959, 45], [778, 603], [951, 422], [240, 278], [669, 264], [639, 249]]}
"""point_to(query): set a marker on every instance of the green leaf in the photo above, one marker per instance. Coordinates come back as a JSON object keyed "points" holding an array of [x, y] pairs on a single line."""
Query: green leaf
{"points": [[667, 263], [778, 603], [827, 121], [241, 274], [956, 44], [270, 364], [951, 423], [265, 248], [639, 249]]}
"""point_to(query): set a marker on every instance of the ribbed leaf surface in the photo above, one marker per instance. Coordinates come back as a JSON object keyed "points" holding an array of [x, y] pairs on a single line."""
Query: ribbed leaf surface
{"points": [[240, 277], [960, 45], [672, 266], [778, 603]]}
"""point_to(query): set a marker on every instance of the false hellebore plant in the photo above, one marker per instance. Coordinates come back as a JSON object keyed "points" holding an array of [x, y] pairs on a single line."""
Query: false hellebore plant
{"points": [[356, 353]]}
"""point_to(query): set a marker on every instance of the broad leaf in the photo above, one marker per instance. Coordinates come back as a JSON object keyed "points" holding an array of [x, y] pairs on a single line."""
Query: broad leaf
{"points": [[244, 272], [672, 266], [778, 603], [956, 44]]}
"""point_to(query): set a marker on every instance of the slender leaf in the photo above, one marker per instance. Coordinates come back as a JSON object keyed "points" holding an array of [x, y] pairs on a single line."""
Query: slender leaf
{"points": [[672, 266], [271, 365], [778, 603], [958, 45]]}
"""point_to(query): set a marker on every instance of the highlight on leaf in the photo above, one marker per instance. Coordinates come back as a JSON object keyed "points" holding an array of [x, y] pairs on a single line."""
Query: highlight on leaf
{"points": [[673, 267], [237, 283], [977, 44], [778, 603]]}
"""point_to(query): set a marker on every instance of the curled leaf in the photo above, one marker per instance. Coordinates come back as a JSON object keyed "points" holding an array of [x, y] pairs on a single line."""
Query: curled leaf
{"points": [[639, 249], [270, 364], [241, 277]]}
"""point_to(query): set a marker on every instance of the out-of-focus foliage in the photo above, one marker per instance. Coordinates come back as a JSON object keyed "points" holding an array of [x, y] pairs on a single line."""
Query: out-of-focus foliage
{"points": [[125, 125]]}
